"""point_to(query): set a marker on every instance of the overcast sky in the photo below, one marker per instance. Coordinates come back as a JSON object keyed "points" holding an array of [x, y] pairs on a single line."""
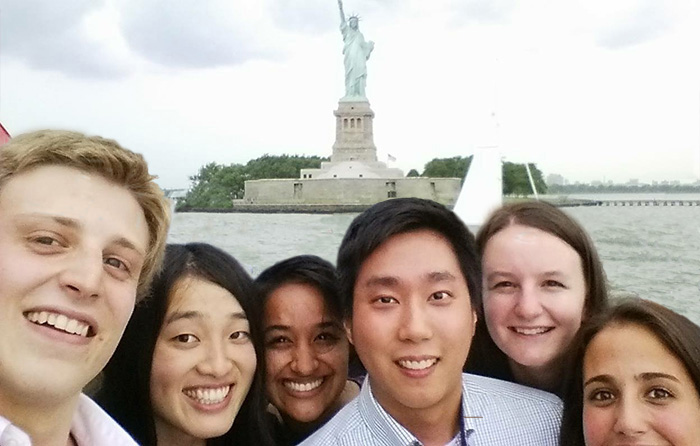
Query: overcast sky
{"points": [[589, 89]]}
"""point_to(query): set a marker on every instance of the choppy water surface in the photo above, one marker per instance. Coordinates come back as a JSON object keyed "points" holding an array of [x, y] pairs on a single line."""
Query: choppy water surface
{"points": [[650, 251]]}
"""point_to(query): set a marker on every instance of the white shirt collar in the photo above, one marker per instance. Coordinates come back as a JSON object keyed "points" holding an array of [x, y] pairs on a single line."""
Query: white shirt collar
{"points": [[11, 435], [91, 426]]}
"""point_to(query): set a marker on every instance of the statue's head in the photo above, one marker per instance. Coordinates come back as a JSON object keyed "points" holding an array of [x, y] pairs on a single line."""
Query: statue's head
{"points": [[353, 21]]}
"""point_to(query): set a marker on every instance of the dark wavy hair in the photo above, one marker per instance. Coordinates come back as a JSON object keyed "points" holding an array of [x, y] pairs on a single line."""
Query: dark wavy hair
{"points": [[486, 358], [676, 332], [125, 387]]}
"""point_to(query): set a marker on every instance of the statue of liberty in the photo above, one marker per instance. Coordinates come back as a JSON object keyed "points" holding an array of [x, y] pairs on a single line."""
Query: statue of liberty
{"points": [[356, 52]]}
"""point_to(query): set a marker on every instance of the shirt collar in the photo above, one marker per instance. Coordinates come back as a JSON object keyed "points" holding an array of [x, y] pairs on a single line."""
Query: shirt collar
{"points": [[91, 425], [391, 431], [12, 435]]}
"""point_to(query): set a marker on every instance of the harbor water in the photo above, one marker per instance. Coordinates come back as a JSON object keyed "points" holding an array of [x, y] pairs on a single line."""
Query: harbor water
{"points": [[652, 252]]}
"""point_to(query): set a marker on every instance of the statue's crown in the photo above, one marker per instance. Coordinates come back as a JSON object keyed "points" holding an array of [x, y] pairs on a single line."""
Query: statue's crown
{"points": [[354, 16]]}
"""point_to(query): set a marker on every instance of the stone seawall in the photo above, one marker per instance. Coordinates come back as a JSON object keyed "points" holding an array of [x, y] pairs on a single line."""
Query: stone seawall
{"points": [[239, 206], [287, 209]]}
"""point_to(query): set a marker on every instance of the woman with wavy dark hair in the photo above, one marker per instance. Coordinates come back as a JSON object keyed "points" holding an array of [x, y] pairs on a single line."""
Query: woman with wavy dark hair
{"points": [[635, 380], [188, 369], [542, 278]]}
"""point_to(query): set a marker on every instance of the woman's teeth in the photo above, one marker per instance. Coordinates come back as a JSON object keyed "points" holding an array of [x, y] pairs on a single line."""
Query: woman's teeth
{"points": [[303, 387], [208, 395]]}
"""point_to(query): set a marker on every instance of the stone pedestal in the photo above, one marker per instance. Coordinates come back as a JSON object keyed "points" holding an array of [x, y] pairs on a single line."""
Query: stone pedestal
{"points": [[354, 134]]}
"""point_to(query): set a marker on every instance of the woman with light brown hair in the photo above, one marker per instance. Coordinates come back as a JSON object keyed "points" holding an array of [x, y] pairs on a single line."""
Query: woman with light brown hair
{"points": [[542, 278]]}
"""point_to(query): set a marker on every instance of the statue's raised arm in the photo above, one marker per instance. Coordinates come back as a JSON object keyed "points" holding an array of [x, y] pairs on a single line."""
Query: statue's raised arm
{"points": [[356, 52], [342, 14]]}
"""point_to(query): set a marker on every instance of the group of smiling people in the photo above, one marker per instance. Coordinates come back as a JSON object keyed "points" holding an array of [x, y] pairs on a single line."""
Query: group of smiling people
{"points": [[421, 335]]}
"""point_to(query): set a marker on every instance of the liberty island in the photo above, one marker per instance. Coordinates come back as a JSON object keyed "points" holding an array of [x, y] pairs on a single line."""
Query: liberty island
{"points": [[354, 178]]}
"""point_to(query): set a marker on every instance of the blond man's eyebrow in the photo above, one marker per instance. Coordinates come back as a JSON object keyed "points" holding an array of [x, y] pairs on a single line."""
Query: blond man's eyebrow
{"points": [[74, 224], [126, 243]]}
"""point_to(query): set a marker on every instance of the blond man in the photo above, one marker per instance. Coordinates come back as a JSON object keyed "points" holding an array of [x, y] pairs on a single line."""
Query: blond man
{"points": [[83, 228]]}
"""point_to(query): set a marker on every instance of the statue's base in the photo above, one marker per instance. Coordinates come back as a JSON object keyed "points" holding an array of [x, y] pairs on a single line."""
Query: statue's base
{"points": [[353, 107], [354, 136]]}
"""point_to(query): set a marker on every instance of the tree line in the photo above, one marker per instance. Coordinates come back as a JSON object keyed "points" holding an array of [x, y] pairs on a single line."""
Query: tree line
{"points": [[216, 185], [515, 179]]}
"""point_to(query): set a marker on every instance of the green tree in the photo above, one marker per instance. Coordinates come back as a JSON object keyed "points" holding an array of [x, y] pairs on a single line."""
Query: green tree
{"points": [[455, 167], [413, 173], [215, 185], [284, 166], [516, 181]]}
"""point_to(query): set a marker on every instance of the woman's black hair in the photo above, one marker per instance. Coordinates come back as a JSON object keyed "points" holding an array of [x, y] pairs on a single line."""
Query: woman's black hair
{"points": [[306, 269], [125, 387]]}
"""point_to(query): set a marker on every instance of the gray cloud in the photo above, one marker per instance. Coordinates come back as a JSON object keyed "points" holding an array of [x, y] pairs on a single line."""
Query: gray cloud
{"points": [[315, 16], [47, 35], [192, 34], [646, 22], [483, 11], [309, 16]]}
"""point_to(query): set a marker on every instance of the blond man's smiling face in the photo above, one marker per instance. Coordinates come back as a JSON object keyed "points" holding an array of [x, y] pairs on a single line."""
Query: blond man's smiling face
{"points": [[72, 246]]}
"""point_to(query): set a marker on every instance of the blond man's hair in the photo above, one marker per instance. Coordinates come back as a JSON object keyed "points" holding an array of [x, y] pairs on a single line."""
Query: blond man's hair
{"points": [[103, 157]]}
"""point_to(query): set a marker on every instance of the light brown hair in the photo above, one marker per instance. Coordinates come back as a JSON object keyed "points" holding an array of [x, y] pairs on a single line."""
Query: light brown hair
{"points": [[103, 157]]}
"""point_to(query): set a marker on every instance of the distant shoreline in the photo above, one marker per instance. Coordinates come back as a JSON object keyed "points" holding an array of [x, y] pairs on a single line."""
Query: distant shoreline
{"points": [[348, 208]]}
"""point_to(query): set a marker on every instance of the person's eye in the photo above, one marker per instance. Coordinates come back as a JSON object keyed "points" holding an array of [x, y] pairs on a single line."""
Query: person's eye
{"points": [[503, 285], [601, 397], [45, 243], [186, 338], [386, 300], [327, 337], [440, 295], [659, 394], [116, 263], [278, 341], [46, 240], [553, 284], [240, 335]]}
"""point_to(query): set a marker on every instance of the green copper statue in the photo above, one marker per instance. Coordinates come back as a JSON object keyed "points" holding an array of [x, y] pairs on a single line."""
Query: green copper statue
{"points": [[356, 52]]}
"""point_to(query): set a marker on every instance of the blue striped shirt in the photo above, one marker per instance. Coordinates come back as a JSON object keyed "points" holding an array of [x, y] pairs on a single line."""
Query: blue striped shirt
{"points": [[510, 415]]}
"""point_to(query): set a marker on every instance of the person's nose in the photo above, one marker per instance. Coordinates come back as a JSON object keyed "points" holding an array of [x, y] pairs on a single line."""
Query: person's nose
{"points": [[82, 273], [629, 419], [528, 305], [304, 360], [217, 361], [415, 325]]}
